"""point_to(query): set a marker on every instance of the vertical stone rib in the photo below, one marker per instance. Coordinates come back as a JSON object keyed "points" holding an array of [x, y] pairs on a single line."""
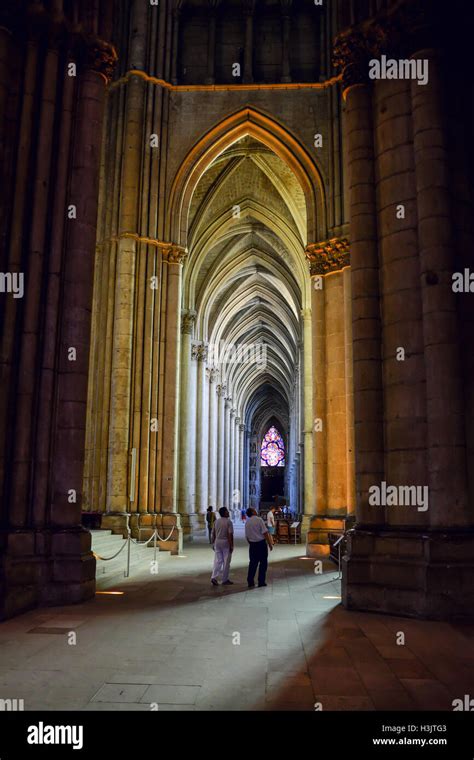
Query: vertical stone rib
{"points": [[404, 380], [52, 301], [446, 435], [368, 393], [69, 439], [25, 401]]}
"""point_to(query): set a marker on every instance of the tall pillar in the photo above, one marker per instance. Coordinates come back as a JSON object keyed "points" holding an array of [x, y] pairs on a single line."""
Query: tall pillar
{"points": [[173, 258], [285, 40], [402, 334], [328, 262], [212, 453], [349, 378], [242, 487], [366, 326], [449, 503], [237, 491], [231, 458], [187, 322], [308, 508], [175, 45], [249, 6], [77, 298], [226, 476], [211, 42], [221, 392], [410, 558], [202, 433]]}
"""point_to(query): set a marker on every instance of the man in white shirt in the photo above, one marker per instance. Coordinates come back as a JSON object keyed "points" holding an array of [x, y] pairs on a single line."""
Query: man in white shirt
{"points": [[222, 539], [259, 540]]}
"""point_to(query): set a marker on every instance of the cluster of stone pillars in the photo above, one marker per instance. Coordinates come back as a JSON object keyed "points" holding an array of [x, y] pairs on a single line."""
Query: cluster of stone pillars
{"points": [[52, 92], [412, 425], [212, 436]]}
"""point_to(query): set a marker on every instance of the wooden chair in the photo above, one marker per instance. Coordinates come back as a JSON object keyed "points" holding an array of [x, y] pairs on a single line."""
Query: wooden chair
{"points": [[283, 532]]}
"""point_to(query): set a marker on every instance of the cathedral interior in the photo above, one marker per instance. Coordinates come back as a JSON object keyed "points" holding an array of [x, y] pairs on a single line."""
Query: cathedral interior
{"points": [[236, 270]]}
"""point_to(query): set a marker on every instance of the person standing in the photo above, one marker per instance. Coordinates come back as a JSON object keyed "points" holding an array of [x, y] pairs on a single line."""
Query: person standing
{"points": [[210, 520], [259, 540], [271, 521], [222, 540]]}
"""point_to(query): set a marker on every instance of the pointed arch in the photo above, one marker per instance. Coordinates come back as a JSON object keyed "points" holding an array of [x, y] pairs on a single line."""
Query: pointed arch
{"points": [[247, 122]]}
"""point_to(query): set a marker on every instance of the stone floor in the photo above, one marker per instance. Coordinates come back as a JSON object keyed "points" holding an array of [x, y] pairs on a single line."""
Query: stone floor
{"points": [[173, 642]]}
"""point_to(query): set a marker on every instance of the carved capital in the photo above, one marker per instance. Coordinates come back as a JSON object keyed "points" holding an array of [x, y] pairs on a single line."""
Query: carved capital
{"points": [[242, 428], [100, 57], [212, 373], [221, 390], [202, 351], [328, 256], [350, 57], [172, 253], [188, 319], [195, 351]]}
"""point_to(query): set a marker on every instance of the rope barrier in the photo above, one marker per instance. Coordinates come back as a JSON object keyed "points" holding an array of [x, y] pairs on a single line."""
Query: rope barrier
{"points": [[144, 543], [106, 559], [155, 535]]}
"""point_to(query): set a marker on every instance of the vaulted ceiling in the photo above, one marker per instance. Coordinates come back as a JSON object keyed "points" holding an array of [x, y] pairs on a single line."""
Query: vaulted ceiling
{"points": [[246, 273]]}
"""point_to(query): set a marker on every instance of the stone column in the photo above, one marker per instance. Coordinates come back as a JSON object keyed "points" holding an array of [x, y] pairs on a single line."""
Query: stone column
{"points": [[71, 394], [31, 323], [211, 41], [243, 499], [402, 334], [173, 258], [309, 498], [351, 57], [237, 492], [449, 503], [285, 40], [221, 392], [249, 6], [231, 457], [349, 377], [191, 474], [202, 433], [226, 475], [212, 451], [320, 423], [175, 44], [123, 322], [188, 319]]}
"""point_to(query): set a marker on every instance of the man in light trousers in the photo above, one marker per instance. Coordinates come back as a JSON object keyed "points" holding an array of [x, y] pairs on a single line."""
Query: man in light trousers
{"points": [[222, 540]]}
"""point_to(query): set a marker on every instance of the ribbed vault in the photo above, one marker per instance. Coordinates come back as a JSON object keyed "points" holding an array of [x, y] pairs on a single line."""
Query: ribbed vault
{"points": [[245, 285]]}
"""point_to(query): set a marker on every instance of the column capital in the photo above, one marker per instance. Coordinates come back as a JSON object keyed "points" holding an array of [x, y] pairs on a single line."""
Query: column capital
{"points": [[242, 427], [306, 313], [328, 256], [195, 351], [101, 57], [212, 374], [221, 390], [232, 413], [188, 319], [173, 253], [350, 56], [202, 351], [401, 31], [228, 402], [237, 420]]}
